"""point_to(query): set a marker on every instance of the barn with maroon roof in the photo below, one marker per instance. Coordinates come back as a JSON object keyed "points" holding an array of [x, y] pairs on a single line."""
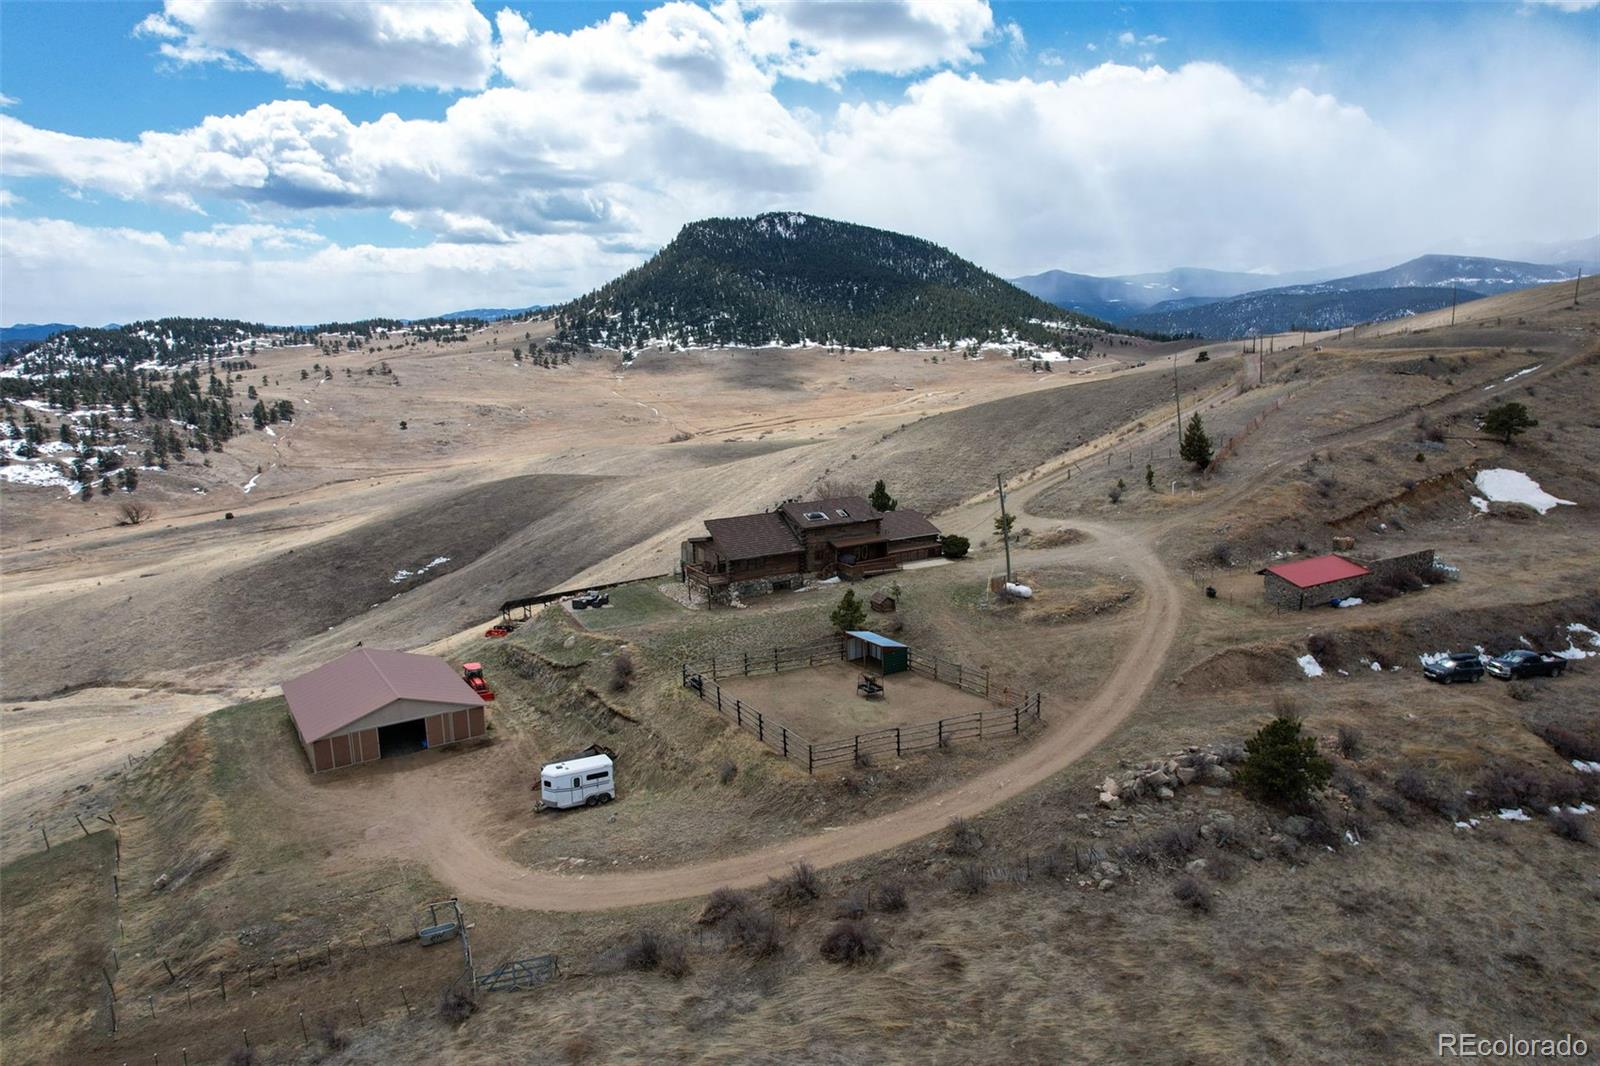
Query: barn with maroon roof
{"points": [[1312, 582], [370, 704]]}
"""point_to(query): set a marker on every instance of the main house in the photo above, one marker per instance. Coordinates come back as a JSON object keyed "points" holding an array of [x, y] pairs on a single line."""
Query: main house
{"points": [[802, 541]]}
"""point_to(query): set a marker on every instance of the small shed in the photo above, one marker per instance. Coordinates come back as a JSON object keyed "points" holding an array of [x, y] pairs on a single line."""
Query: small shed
{"points": [[882, 602], [370, 704], [1309, 582], [890, 656]]}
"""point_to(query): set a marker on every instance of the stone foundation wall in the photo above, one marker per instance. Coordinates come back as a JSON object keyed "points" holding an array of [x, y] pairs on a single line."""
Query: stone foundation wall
{"points": [[1417, 564], [1283, 594]]}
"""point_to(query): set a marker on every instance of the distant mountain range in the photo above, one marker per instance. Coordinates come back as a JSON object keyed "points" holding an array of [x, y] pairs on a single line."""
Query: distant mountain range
{"points": [[489, 314], [1217, 304], [789, 278]]}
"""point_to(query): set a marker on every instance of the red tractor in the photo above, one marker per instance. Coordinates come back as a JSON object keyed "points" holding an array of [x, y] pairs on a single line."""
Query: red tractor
{"points": [[472, 674], [499, 629]]}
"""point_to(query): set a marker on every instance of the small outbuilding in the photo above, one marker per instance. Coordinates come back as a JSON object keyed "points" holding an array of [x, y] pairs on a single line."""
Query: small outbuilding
{"points": [[1310, 582], [883, 602], [890, 656], [370, 704]]}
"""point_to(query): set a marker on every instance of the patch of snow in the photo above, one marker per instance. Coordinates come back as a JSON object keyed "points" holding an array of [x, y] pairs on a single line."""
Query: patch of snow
{"points": [[248, 485], [1480, 503], [1310, 666], [1519, 373], [1572, 651], [1514, 814], [1470, 823], [1348, 601], [1513, 486], [269, 431], [1428, 657], [1582, 808], [404, 575], [1377, 668]]}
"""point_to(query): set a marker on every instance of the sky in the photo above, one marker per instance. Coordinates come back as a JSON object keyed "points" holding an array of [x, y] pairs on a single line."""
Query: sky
{"points": [[295, 162]]}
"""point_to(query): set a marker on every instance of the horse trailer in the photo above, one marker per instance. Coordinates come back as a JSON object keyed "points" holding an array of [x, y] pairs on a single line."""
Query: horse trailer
{"points": [[584, 782]]}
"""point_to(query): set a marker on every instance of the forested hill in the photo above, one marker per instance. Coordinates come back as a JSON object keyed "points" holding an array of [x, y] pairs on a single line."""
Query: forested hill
{"points": [[788, 278]]}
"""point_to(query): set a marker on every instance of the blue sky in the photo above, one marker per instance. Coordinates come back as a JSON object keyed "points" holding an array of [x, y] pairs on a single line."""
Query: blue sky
{"points": [[288, 161]]}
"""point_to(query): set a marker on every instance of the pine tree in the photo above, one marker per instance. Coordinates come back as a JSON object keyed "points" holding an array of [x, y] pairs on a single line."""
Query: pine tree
{"points": [[1281, 765], [1507, 420], [880, 498], [850, 614], [1149, 477], [1196, 446]]}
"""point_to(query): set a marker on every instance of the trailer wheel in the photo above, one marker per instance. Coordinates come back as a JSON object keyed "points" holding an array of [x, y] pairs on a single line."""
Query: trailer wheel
{"points": [[592, 801], [606, 797]]}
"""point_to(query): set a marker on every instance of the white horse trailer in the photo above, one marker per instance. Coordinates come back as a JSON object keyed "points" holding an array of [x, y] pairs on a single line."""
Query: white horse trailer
{"points": [[578, 782]]}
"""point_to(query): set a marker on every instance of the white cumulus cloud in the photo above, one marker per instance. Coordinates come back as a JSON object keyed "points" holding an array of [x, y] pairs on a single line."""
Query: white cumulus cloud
{"points": [[824, 41], [440, 44]]}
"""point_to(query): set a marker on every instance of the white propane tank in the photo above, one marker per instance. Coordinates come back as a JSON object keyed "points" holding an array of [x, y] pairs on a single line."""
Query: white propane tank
{"points": [[1021, 592]]}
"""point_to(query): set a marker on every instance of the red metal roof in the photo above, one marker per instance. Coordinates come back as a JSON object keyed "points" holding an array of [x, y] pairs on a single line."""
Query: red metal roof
{"points": [[1308, 573]]}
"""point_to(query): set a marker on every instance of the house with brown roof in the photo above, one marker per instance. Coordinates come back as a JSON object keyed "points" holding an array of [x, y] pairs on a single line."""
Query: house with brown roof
{"points": [[370, 704], [801, 541]]}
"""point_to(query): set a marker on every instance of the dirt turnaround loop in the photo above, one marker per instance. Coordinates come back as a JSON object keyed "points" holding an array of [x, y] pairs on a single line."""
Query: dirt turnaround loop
{"points": [[469, 864]]}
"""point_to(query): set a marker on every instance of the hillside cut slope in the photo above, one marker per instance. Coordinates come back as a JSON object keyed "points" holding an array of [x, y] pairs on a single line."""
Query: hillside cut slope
{"points": [[788, 278]]}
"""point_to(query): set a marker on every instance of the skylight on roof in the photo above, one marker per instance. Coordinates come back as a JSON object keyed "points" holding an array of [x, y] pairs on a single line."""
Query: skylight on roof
{"points": [[843, 513], [816, 516]]}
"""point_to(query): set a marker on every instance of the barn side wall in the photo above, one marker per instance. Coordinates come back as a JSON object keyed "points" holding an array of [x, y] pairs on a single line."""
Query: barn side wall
{"points": [[1416, 564], [359, 744], [1289, 597]]}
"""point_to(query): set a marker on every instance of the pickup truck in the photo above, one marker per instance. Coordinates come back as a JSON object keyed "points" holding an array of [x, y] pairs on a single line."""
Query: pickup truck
{"points": [[1524, 663], [1456, 666]]}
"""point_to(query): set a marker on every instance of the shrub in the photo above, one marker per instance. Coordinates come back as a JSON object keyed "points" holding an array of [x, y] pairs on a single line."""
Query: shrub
{"points": [[1281, 765], [889, 897], [242, 1056], [1569, 826], [1222, 553], [852, 906], [800, 886], [332, 1039], [1415, 787], [649, 950], [1192, 894], [456, 1006], [1572, 738], [1522, 691], [720, 904], [1350, 742], [971, 879], [850, 943], [954, 546], [1176, 842], [755, 933], [621, 670], [134, 514], [728, 772], [1117, 490], [1326, 650], [964, 838]]}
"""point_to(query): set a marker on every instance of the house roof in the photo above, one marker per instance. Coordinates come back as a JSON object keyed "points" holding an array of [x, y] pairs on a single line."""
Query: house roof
{"points": [[1308, 573], [838, 510], [873, 638], [331, 697], [751, 536], [906, 525]]}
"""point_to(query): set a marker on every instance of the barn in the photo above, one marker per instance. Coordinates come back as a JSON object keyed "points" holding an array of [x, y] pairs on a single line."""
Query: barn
{"points": [[371, 704], [1310, 582]]}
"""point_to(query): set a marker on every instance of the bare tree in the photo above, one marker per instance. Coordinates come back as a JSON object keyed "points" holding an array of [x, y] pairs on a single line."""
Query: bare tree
{"points": [[134, 513]]}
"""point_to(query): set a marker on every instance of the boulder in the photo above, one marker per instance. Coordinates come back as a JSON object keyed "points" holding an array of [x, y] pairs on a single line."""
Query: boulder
{"points": [[1164, 793], [1219, 775], [1196, 866], [1297, 826], [1186, 775], [1111, 785], [1109, 801]]}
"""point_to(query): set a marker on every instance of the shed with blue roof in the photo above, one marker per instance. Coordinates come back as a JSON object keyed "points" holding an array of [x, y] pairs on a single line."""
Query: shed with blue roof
{"points": [[890, 656]]}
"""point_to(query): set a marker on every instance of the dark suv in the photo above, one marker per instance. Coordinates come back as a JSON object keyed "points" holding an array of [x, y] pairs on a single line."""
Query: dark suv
{"points": [[1457, 666], [1524, 663]]}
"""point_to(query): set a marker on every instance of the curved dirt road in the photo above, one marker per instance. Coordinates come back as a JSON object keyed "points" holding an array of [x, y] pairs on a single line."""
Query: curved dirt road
{"points": [[470, 863]]}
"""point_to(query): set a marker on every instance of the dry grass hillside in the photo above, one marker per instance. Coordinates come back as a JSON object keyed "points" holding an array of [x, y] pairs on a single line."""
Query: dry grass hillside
{"points": [[973, 902]]}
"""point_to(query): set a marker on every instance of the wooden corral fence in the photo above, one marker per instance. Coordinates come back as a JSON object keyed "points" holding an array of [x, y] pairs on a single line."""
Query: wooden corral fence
{"points": [[1231, 445], [702, 677]]}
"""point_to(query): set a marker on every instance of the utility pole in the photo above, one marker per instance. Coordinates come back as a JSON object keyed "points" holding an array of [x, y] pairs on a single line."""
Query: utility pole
{"points": [[1575, 284], [1005, 524], [1453, 290], [1177, 405]]}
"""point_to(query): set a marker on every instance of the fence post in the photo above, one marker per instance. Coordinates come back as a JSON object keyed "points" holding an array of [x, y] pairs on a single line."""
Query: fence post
{"points": [[738, 714], [958, 675], [941, 732], [936, 668], [810, 758], [897, 742], [986, 682], [785, 741], [719, 697], [746, 664], [774, 658], [761, 727], [1016, 719], [856, 758]]}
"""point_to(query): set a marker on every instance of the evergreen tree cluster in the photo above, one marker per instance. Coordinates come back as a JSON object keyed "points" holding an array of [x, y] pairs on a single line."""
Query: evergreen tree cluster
{"points": [[787, 278]]}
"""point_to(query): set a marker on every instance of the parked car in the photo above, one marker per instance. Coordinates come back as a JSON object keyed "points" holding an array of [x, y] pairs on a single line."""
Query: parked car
{"points": [[1524, 663], [592, 598], [1456, 666]]}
